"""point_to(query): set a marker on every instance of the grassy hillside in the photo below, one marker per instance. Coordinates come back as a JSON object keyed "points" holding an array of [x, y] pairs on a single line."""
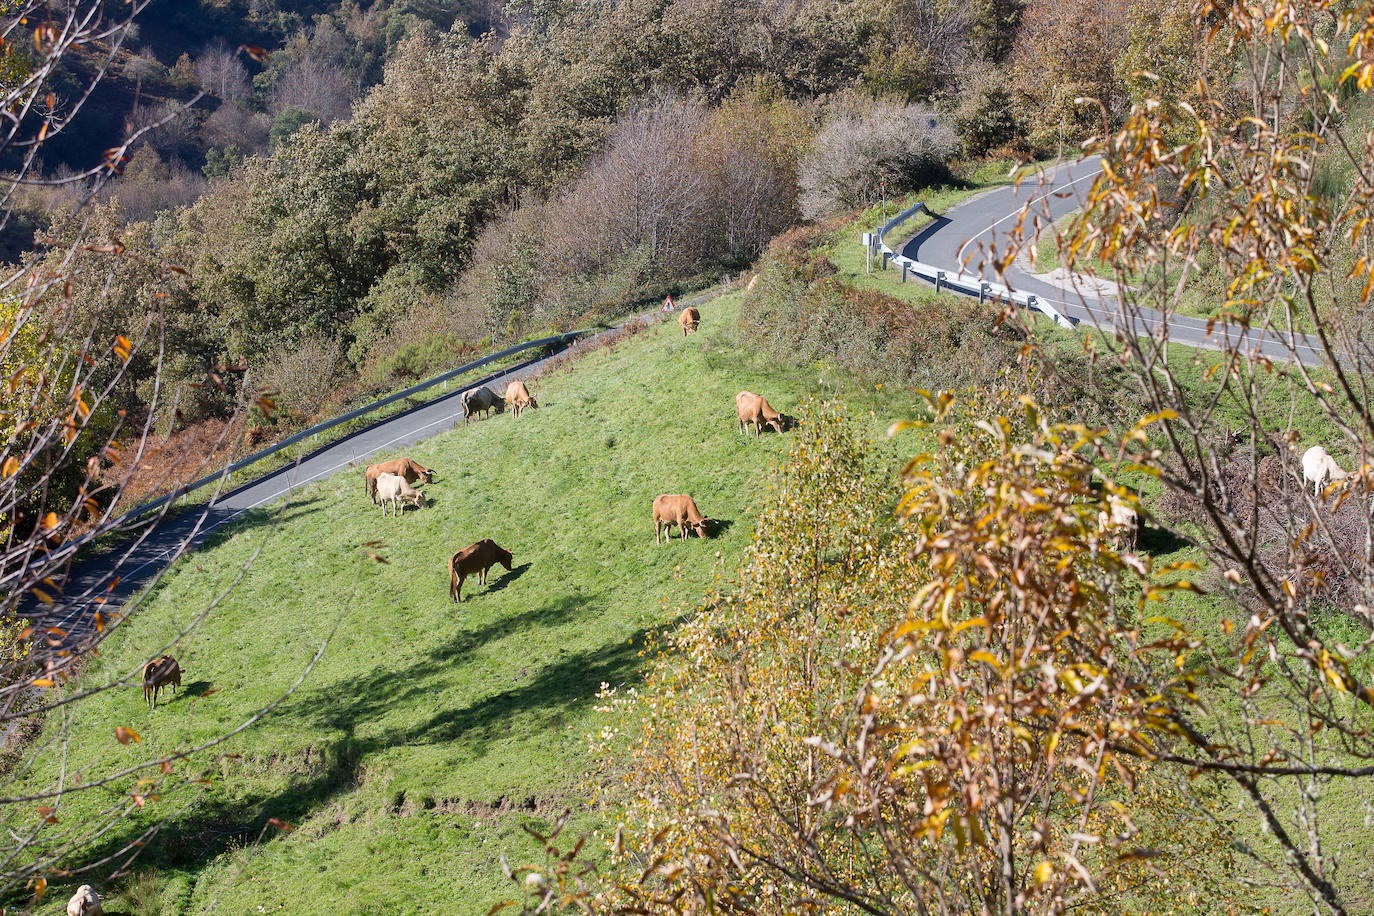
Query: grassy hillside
{"points": [[429, 732]]}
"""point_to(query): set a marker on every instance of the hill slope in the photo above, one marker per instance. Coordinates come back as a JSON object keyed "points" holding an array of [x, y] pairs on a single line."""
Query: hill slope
{"points": [[429, 732]]}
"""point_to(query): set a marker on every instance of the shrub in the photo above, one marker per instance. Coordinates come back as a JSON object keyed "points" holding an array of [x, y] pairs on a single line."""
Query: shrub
{"points": [[799, 311], [866, 148]]}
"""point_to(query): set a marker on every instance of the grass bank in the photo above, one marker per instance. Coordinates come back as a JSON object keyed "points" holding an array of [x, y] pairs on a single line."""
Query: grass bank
{"points": [[429, 733]]}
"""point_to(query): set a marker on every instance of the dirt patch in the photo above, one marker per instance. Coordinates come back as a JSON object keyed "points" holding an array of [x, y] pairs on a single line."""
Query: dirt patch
{"points": [[168, 462]]}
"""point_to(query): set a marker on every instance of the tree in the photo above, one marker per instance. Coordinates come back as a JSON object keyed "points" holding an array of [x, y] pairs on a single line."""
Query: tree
{"points": [[222, 74]]}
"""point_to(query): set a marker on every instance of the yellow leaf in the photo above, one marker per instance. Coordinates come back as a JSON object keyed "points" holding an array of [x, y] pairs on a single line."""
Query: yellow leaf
{"points": [[43, 682], [1043, 872], [11, 466]]}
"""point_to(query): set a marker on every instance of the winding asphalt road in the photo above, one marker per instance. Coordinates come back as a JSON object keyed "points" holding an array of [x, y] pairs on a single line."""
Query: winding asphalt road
{"points": [[965, 238], [959, 240]]}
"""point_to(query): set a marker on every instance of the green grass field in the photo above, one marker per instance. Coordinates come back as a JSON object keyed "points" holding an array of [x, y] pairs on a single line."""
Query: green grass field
{"points": [[429, 732]]}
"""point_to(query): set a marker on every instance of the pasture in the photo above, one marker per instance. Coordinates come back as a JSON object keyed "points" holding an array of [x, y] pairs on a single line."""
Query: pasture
{"points": [[428, 732]]}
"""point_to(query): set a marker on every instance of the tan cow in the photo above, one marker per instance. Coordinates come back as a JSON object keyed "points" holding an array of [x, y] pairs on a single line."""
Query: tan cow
{"points": [[689, 319], [680, 510], [162, 671], [393, 490], [406, 468], [475, 559], [518, 397], [755, 409]]}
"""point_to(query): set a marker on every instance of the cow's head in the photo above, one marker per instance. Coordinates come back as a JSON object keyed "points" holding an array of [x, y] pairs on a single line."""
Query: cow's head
{"points": [[427, 475], [500, 405], [506, 557], [533, 402], [418, 499], [702, 529]]}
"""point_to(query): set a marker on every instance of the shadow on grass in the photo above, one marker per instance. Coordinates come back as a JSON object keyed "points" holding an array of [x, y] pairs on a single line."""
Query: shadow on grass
{"points": [[509, 577], [1159, 541], [194, 689], [332, 767]]}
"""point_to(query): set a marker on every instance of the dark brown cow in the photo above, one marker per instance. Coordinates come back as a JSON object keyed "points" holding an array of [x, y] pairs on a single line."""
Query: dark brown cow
{"points": [[475, 558], [755, 409], [519, 397], [481, 400], [680, 510], [689, 319], [401, 467], [162, 671]]}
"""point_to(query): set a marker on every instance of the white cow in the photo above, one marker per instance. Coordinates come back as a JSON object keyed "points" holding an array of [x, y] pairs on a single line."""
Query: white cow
{"points": [[393, 489], [85, 902], [1319, 468], [1123, 522]]}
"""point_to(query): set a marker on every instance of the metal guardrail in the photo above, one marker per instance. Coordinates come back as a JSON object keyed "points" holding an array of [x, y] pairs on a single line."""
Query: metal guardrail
{"points": [[72, 547], [968, 284]]}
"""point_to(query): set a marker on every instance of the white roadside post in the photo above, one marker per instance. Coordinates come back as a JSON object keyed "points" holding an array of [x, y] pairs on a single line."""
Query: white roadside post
{"points": [[868, 252]]}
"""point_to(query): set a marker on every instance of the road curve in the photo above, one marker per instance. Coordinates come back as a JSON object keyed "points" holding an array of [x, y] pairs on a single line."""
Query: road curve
{"points": [[965, 238]]}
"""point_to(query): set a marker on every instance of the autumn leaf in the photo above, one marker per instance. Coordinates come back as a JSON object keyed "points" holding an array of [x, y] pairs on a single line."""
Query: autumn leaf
{"points": [[124, 735]]}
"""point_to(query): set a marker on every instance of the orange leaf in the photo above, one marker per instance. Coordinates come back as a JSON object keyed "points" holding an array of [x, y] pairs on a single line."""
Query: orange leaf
{"points": [[11, 466], [279, 824], [124, 735]]}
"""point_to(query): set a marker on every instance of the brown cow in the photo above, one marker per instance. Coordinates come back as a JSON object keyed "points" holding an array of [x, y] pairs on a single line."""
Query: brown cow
{"points": [[680, 510], [519, 397], [755, 409], [475, 558], [162, 671], [689, 319], [401, 467]]}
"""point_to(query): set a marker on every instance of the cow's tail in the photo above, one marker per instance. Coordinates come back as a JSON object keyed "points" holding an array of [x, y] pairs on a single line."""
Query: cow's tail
{"points": [[452, 579]]}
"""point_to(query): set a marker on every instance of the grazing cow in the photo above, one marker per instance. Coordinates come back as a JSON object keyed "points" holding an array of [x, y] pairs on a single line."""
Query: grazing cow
{"points": [[519, 397], [474, 559], [755, 409], [680, 510], [1122, 522], [481, 400], [1319, 468], [162, 671], [403, 467], [85, 902], [689, 319], [392, 489]]}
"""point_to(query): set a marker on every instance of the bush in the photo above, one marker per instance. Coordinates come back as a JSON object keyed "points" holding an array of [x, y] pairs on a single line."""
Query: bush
{"points": [[799, 311], [301, 375], [867, 148]]}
